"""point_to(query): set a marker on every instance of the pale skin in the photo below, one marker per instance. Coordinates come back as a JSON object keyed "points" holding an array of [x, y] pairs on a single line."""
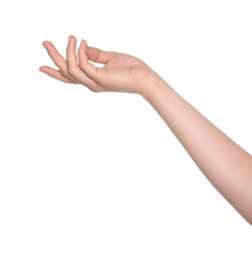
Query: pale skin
{"points": [[225, 164]]}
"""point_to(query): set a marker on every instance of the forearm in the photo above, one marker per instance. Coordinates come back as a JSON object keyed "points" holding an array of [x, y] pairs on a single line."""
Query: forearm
{"points": [[225, 164]]}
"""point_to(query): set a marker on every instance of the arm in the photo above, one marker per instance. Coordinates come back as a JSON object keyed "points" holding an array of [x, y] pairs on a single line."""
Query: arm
{"points": [[225, 164]]}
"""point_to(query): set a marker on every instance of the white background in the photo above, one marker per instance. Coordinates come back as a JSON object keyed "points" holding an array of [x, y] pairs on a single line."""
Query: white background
{"points": [[88, 175]]}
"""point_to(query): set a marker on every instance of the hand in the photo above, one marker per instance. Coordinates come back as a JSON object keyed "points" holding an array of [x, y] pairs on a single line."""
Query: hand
{"points": [[121, 72]]}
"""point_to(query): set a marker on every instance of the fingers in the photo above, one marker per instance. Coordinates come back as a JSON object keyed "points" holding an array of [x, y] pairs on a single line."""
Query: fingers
{"points": [[56, 74], [87, 76], [85, 66], [97, 55], [70, 71], [99, 75], [72, 64], [74, 69], [58, 60]]}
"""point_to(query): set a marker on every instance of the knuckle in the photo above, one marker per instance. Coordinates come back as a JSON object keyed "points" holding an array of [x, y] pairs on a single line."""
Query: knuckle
{"points": [[91, 86], [71, 70], [98, 56], [64, 72], [82, 66], [95, 90]]}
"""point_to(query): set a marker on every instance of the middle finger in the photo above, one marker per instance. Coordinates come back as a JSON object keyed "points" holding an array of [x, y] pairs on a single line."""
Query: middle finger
{"points": [[58, 59]]}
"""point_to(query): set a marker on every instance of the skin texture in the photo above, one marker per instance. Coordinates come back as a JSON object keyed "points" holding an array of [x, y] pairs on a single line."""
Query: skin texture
{"points": [[225, 164]]}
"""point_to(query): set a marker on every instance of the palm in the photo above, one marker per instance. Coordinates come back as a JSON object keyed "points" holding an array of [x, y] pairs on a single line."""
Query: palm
{"points": [[123, 72]]}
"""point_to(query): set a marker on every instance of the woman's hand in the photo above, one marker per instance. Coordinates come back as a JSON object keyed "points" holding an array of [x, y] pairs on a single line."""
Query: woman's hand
{"points": [[121, 72]]}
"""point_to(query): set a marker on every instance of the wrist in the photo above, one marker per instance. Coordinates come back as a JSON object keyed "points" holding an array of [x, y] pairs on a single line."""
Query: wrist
{"points": [[155, 86]]}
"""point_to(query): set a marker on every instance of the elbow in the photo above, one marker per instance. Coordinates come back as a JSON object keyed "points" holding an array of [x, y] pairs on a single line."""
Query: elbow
{"points": [[247, 216], [249, 220]]}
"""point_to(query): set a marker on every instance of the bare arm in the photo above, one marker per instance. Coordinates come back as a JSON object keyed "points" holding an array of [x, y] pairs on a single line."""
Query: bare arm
{"points": [[224, 163]]}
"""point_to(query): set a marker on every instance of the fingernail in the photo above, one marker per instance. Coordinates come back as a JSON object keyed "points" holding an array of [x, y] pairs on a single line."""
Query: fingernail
{"points": [[40, 69], [69, 39], [44, 45]]}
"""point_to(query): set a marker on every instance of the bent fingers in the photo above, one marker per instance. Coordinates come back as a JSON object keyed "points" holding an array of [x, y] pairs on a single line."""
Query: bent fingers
{"points": [[58, 59], [75, 71], [56, 74]]}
